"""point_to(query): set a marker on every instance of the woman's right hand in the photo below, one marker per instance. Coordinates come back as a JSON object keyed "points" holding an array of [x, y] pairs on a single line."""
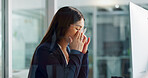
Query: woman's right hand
{"points": [[77, 42]]}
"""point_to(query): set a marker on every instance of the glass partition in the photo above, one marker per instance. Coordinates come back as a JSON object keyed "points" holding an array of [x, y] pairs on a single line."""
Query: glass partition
{"points": [[113, 50], [28, 27], [109, 50], [111, 28]]}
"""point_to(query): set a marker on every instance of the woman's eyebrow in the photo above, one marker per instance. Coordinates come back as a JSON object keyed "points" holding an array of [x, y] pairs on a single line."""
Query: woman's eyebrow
{"points": [[79, 26]]}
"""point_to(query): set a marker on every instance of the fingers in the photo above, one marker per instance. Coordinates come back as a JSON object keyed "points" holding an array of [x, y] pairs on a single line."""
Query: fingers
{"points": [[77, 34], [84, 39], [88, 41], [81, 37]]}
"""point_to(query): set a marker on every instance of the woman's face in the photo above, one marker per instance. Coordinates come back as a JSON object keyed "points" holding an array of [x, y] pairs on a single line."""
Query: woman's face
{"points": [[74, 28]]}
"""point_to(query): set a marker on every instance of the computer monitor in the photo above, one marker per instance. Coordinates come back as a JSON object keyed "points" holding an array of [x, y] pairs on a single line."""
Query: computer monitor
{"points": [[139, 40]]}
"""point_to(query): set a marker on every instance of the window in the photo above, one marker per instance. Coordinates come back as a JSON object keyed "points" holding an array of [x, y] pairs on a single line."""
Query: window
{"points": [[110, 32], [0, 40], [28, 27]]}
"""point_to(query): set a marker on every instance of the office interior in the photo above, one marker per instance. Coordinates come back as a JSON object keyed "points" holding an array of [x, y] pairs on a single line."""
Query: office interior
{"points": [[23, 24]]}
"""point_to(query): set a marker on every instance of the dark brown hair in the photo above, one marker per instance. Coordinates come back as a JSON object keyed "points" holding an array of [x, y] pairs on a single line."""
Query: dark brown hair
{"points": [[60, 23]]}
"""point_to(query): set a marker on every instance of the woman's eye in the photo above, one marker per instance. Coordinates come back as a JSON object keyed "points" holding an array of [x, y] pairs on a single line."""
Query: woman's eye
{"points": [[77, 29]]}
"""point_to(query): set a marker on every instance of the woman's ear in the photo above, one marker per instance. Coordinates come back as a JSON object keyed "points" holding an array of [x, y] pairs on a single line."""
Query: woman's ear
{"points": [[70, 39]]}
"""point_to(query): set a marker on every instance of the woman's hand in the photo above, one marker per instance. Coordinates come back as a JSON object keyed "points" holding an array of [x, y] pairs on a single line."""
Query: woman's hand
{"points": [[77, 42], [85, 47]]}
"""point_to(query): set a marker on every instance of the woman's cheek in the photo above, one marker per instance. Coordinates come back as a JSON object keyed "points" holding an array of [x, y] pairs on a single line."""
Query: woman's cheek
{"points": [[70, 33], [73, 34]]}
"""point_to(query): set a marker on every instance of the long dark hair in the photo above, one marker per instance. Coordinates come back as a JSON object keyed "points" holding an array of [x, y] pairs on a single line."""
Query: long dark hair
{"points": [[61, 22]]}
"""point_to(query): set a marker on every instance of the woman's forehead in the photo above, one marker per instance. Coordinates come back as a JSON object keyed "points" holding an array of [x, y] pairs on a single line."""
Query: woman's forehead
{"points": [[80, 23]]}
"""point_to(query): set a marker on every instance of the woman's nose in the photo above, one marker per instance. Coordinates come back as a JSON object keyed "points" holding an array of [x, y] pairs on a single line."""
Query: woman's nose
{"points": [[83, 30]]}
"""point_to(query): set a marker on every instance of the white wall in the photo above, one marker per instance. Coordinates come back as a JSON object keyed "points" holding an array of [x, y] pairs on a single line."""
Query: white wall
{"points": [[97, 2], [22, 3], [31, 4]]}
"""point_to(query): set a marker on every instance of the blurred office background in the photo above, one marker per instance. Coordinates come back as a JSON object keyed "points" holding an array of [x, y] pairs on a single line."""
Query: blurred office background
{"points": [[107, 23]]}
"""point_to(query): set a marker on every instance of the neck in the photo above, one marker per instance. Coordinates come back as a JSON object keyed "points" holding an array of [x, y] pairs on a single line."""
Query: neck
{"points": [[63, 43]]}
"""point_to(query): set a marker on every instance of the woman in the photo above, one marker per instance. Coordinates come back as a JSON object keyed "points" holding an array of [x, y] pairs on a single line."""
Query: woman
{"points": [[62, 52]]}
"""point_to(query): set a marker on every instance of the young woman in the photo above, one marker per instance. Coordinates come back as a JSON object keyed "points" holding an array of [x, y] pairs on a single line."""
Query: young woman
{"points": [[62, 52]]}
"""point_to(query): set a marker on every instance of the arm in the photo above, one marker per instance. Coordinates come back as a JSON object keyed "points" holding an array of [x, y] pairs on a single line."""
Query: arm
{"points": [[84, 67], [74, 64]]}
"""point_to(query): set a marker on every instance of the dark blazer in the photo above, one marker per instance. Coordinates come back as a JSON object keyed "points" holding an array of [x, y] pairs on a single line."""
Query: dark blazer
{"points": [[52, 64]]}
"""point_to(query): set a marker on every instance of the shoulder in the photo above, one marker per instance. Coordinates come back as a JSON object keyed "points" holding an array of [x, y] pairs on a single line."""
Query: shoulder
{"points": [[44, 55], [43, 49], [44, 45]]}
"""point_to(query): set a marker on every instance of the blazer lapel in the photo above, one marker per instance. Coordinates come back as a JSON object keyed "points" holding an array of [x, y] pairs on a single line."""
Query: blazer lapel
{"points": [[59, 55]]}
